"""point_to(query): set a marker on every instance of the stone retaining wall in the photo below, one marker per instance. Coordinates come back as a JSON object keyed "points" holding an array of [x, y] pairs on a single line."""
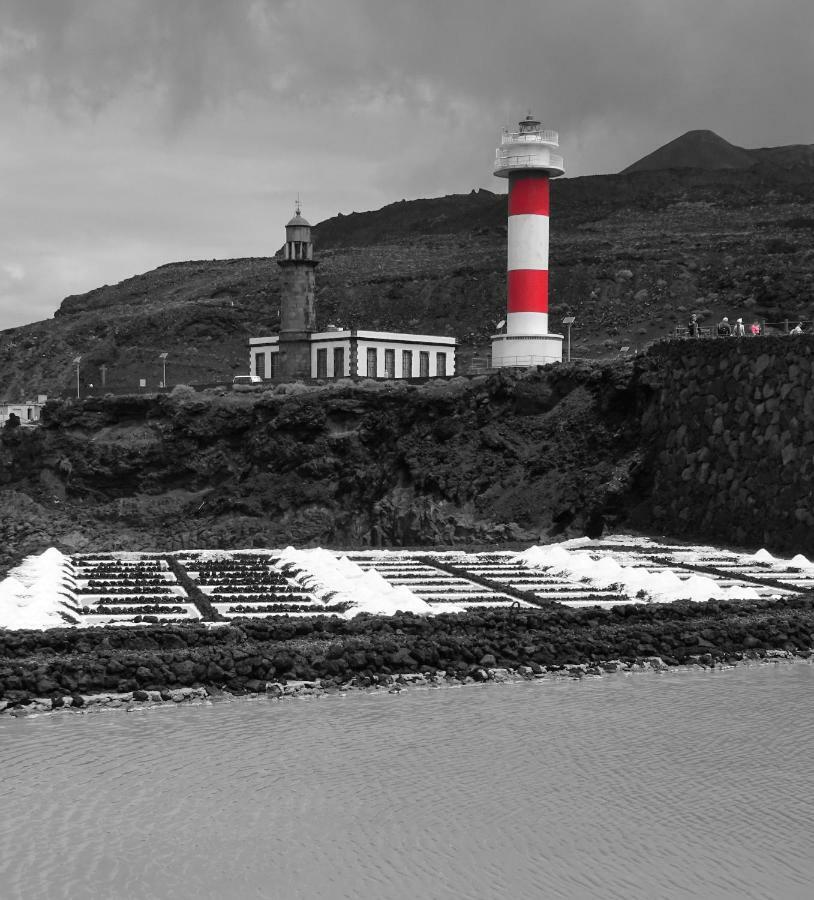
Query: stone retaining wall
{"points": [[247, 655], [730, 433]]}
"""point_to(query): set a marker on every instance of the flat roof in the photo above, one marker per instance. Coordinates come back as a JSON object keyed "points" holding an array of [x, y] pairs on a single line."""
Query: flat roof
{"points": [[388, 336]]}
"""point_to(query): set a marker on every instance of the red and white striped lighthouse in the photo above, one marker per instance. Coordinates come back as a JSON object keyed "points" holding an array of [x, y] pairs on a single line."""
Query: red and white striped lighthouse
{"points": [[525, 157]]}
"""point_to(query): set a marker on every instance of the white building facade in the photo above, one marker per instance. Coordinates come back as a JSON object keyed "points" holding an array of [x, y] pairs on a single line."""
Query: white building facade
{"points": [[27, 411], [363, 354]]}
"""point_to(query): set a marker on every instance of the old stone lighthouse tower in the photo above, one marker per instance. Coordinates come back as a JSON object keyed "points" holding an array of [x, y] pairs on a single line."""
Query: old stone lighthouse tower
{"points": [[297, 308]]}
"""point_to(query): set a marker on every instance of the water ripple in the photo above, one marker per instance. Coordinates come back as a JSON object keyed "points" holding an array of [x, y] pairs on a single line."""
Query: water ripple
{"points": [[675, 786]]}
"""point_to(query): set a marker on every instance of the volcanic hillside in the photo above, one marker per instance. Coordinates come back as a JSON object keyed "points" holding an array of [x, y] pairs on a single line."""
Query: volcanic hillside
{"points": [[698, 226], [695, 150], [705, 150]]}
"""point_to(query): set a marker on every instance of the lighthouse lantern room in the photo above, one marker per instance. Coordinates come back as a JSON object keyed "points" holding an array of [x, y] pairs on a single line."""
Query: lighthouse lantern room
{"points": [[527, 159]]}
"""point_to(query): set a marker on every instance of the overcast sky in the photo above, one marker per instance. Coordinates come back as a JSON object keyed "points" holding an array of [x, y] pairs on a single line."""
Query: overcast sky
{"points": [[138, 132]]}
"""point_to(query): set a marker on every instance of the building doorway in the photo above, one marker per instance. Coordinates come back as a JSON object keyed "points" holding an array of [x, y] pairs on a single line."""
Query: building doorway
{"points": [[339, 362]]}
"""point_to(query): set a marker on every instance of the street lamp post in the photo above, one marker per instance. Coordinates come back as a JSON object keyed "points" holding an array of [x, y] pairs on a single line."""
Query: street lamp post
{"points": [[568, 321], [76, 363], [163, 358]]}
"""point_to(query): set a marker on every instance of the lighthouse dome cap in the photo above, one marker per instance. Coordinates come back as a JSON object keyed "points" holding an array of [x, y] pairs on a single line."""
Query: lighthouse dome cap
{"points": [[298, 220]]}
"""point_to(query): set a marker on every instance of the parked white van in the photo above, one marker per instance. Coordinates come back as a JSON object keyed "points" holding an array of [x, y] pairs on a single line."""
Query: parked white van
{"points": [[245, 382]]}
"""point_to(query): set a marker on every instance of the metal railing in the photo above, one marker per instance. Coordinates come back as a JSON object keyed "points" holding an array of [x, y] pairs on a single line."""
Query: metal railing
{"points": [[505, 161], [530, 137], [520, 362]]}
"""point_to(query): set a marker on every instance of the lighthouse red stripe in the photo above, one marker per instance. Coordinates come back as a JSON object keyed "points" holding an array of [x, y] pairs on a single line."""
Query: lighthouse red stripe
{"points": [[528, 290], [528, 194]]}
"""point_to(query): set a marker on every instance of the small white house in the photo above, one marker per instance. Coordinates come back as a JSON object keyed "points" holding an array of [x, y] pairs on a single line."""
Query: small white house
{"points": [[27, 411], [364, 354]]}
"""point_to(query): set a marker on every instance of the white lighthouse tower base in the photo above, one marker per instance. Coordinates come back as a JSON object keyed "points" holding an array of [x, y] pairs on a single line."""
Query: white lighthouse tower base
{"points": [[524, 350]]}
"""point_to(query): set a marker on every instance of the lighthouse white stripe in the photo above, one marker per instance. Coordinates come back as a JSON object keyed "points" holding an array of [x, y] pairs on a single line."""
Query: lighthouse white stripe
{"points": [[528, 242], [526, 323]]}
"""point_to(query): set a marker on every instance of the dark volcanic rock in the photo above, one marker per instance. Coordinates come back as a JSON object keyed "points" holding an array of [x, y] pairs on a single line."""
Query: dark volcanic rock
{"points": [[704, 439], [345, 464], [356, 649]]}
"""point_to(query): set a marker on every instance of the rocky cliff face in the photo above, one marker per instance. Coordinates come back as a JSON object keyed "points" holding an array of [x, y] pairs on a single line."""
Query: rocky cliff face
{"points": [[731, 438], [702, 439], [470, 461]]}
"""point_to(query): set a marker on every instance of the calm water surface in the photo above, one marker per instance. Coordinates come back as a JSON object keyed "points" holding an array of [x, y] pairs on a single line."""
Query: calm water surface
{"points": [[650, 786]]}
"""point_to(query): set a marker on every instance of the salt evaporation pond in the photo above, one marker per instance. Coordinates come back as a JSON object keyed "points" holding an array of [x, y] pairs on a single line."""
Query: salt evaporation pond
{"points": [[121, 588], [681, 785]]}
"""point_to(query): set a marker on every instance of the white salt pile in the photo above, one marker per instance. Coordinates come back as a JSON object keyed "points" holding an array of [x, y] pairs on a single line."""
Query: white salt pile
{"points": [[602, 572], [30, 596], [339, 580], [763, 555]]}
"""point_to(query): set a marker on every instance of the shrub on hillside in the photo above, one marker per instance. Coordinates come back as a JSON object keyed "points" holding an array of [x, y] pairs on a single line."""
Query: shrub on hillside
{"points": [[780, 245]]}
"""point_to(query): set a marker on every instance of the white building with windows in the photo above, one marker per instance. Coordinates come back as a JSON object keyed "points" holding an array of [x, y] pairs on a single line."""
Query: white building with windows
{"points": [[363, 354], [300, 352]]}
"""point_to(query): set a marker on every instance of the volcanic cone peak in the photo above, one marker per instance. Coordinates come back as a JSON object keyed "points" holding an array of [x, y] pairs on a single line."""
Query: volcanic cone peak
{"points": [[700, 149]]}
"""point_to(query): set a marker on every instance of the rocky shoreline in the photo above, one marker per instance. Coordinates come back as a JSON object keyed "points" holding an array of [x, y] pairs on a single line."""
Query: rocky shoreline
{"points": [[177, 663], [391, 684]]}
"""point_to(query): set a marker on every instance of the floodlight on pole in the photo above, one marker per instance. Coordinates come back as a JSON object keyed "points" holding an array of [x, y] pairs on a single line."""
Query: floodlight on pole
{"points": [[76, 362], [568, 321], [163, 358]]}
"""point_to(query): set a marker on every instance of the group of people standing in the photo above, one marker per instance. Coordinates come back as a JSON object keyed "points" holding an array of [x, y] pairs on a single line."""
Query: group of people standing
{"points": [[724, 329]]}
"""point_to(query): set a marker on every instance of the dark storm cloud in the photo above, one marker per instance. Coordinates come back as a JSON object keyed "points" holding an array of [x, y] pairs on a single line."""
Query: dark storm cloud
{"points": [[147, 130], [648, 59]]}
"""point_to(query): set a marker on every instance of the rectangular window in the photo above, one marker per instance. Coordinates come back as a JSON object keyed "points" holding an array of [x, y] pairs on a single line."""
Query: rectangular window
{"points": [[272, 365], [424, 364], [372, 362], [339, 362], [322, 362], [389, 363], [406, 363], [260, 364], [441, 364]]}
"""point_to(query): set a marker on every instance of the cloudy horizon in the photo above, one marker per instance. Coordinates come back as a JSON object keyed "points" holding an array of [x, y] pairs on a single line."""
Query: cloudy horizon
{"points": [[140, 132]]}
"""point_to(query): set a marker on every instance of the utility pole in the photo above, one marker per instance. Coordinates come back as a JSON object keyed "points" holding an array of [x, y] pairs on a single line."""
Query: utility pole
{"points": [[568, 321], [163, 358], [76, 362], [103, 371]]}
